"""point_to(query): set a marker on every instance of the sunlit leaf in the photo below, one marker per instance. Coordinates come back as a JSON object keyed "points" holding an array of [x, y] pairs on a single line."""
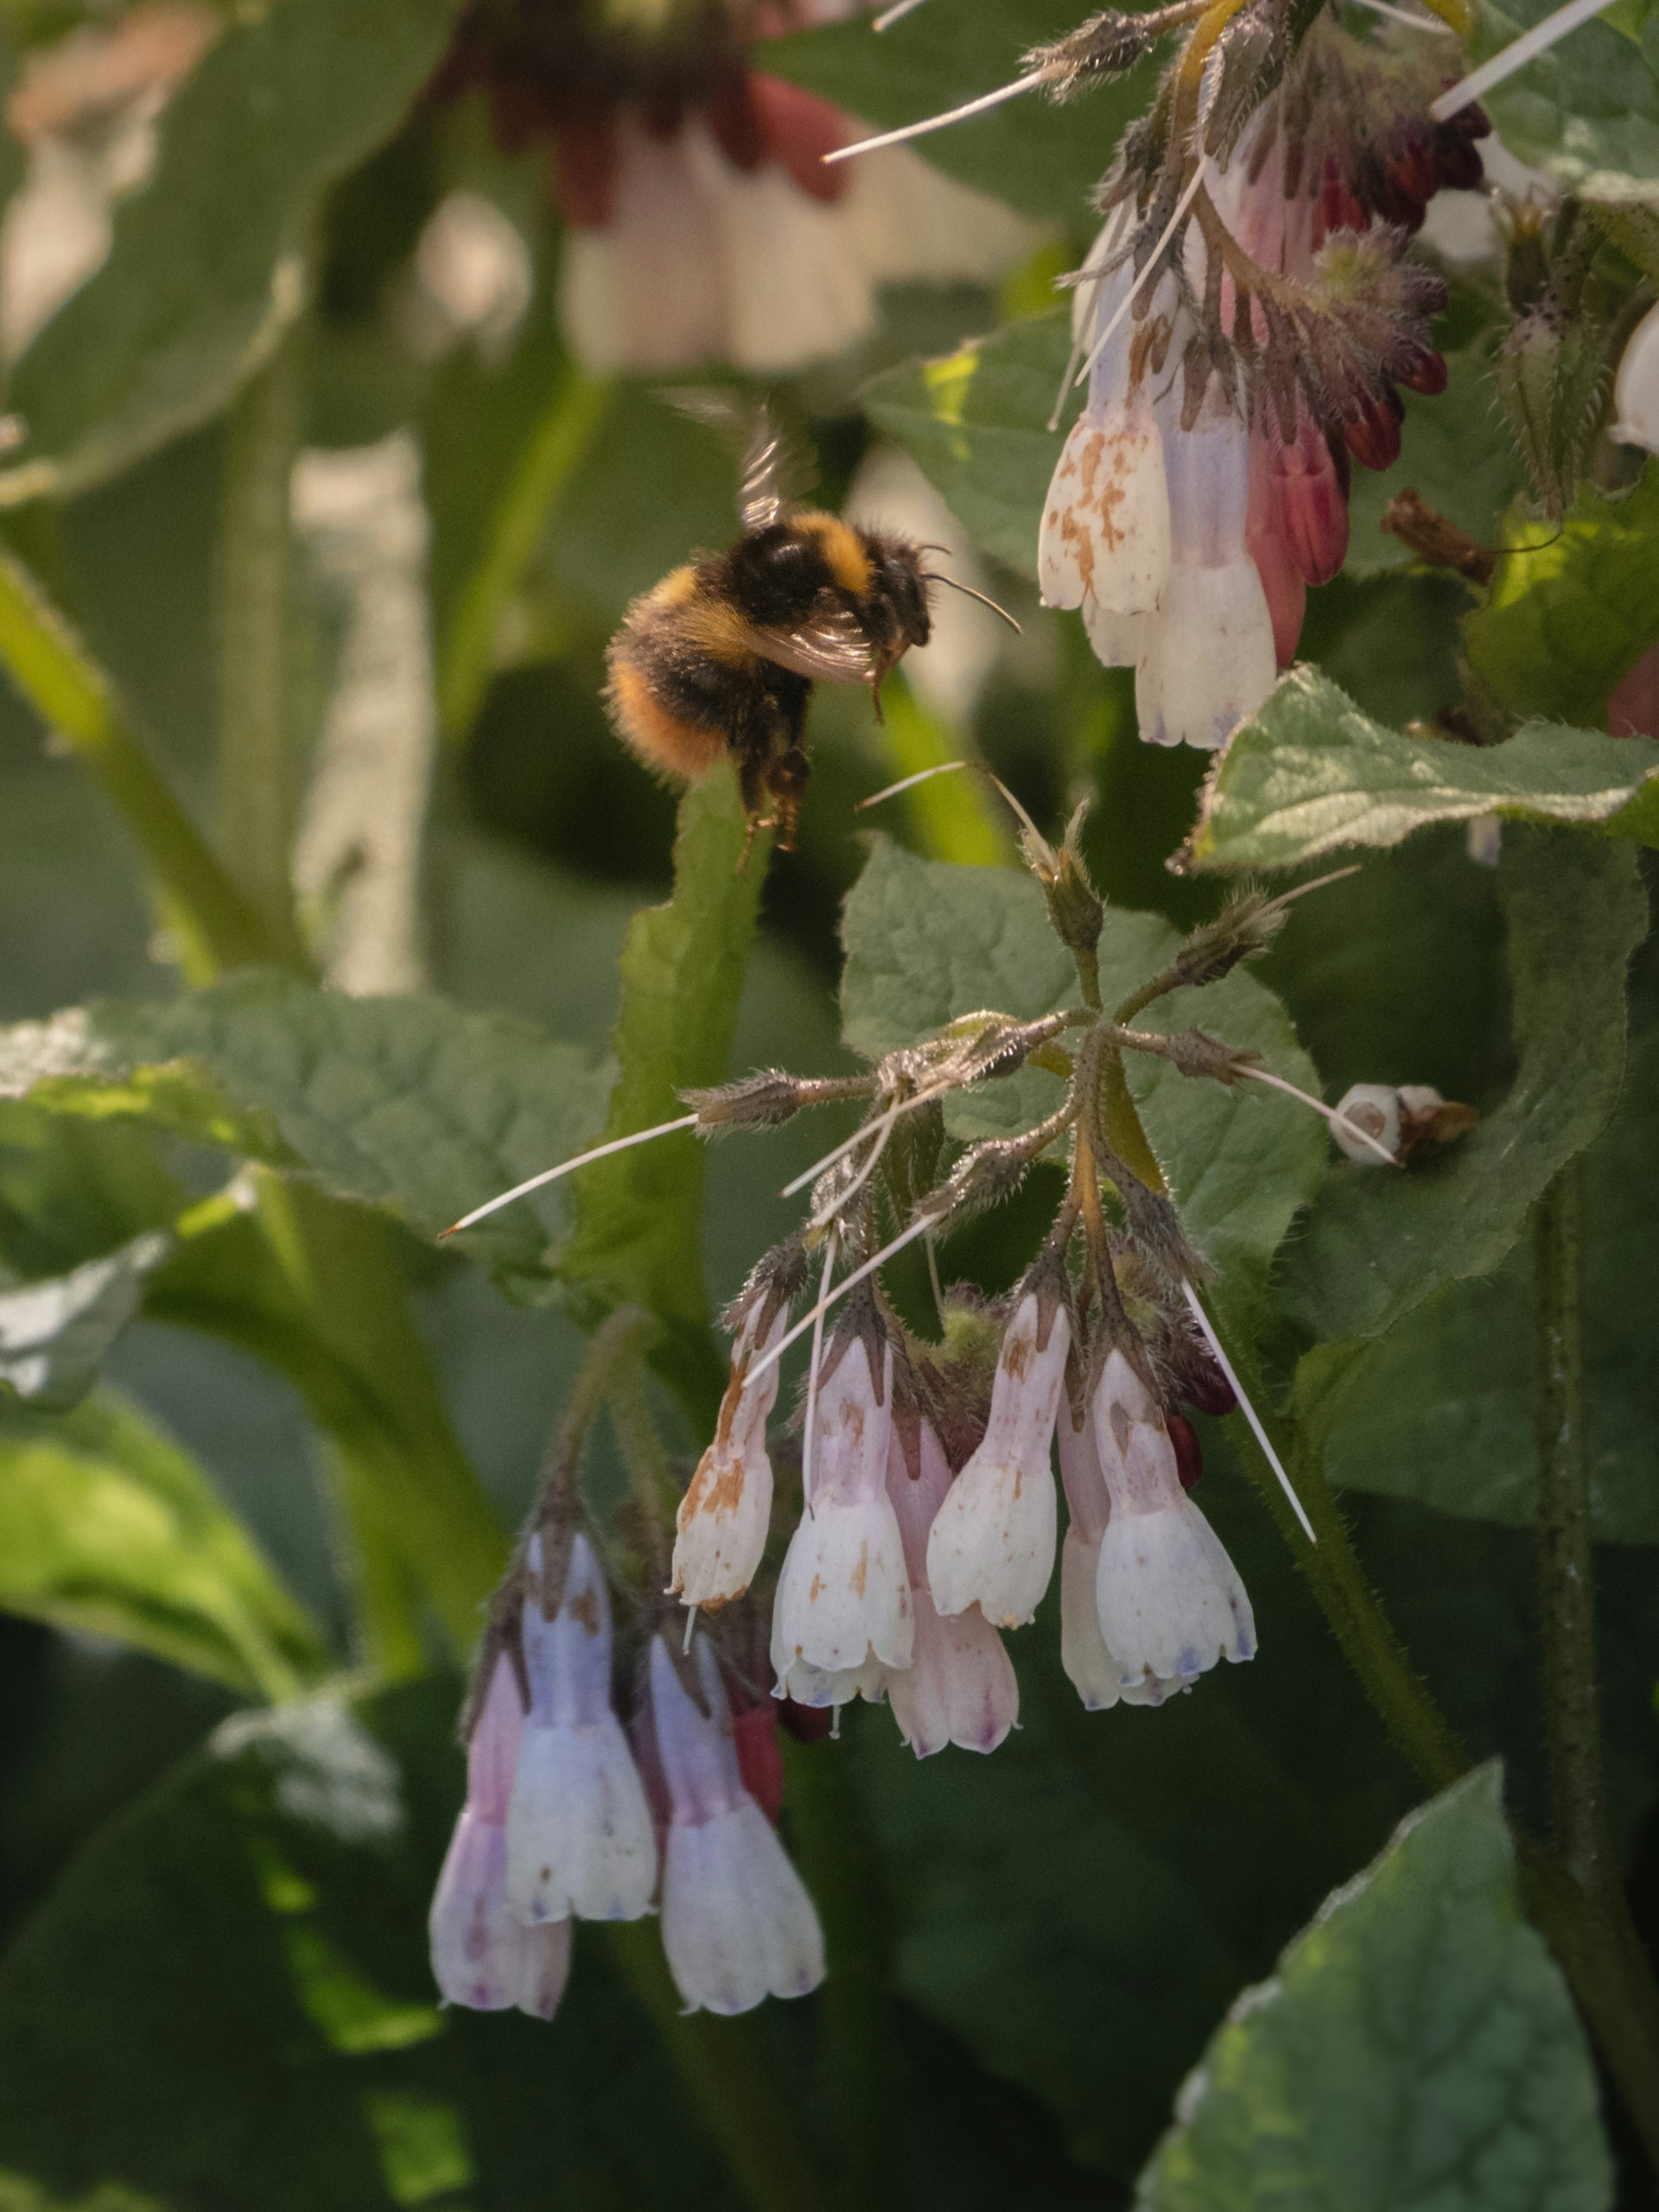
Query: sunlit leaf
{"points": [[107, 1525], [1416, 2045], [1311, 774], [201, 280], [55, 1332], [1588, 109]]}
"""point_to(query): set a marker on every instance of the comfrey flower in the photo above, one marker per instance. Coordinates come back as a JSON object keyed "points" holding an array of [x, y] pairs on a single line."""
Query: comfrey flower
{"points": [[843, 1613], [579, 1832], [1093, 1674], [483, 1955], [1636, 388], [737, 1922], [960, 1686], [1169, 1599], [992, 1543], [721, 1528]]}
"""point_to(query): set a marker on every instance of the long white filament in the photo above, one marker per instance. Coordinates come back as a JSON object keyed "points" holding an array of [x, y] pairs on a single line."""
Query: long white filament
{"points": [[867, 1129], [940, 122], [1515, 55], [819, 1311], [1249, 1410], [882, 1131], [1152, 259], [1336, 1120], [908, 783], [847, 1282], [568, 1167], [895, 14]]}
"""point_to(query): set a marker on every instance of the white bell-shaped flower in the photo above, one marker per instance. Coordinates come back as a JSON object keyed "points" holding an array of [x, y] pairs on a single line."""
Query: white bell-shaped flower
{"points": [[960, 1686], [992, 1541], [1170, 1600], [483, 1956], [579, 1829], [738, 1924], [720, 1531], [844, 1597], [1212, 661], [1636, 388], [1093, 1674]]}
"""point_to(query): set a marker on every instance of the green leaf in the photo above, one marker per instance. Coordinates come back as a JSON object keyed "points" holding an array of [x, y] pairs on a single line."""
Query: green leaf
{"points": [[1562, 626], [1041, 159], [639, 1215], [408, 1103], [977, 424], [201, 280], [1311, 774], [1588, 110], [926, 941], [106, 1525], [53, 1334], [1442, 1409], [1417, 2045], [1456, 452], [1376, 1244]]}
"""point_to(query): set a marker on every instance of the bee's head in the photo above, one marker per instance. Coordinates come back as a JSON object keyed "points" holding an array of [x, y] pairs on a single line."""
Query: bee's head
{"points": [[900, 583]]}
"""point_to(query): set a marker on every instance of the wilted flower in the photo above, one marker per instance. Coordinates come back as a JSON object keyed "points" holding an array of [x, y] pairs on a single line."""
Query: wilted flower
{"points": [[992, 1543], [721, 1528], [842, 1611], [960, 1686], [579, 1832], [483, 1955], [738, 1924]]}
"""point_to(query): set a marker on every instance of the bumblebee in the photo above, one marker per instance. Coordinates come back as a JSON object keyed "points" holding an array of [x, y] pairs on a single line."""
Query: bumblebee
{"points": [[722, 655]]}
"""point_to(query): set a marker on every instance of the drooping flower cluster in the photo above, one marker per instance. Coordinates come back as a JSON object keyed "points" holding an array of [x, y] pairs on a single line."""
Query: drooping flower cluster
{"points": [[704, 226], [1246, 317]]}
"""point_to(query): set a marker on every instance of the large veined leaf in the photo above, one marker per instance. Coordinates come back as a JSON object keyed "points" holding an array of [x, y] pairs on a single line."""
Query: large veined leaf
{"points": [[976, 423], [1562, 625], [201, 280], [1310, 773], [926, 941], [405, 1102], [105, 1524], [1588, 109], [1376, 1244], [1041, 159], [1442, 1409], [1417, 2045]]}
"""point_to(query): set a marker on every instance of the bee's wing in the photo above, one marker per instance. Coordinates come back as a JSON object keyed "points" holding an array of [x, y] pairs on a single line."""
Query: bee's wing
{"points": [[829, 648], [772, 473]]}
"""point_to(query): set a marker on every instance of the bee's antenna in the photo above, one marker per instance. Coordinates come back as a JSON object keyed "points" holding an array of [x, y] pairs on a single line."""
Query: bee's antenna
{"points": [[936, 576]]}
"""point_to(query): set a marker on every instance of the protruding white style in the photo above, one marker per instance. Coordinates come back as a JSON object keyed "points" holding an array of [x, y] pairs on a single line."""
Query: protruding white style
{"points": [[844, 1597], [1104, 544], [1373, 1108], [1211, 661], [1170, 1600], [992, 1543], [1636, 388], [960, 1687], [724, 1517], [1093, 1674], [738, 1924], [579, 1830], [483, 1956]]}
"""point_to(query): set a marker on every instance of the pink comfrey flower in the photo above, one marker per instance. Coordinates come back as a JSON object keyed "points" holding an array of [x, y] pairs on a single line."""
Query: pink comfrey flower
{"points": [[960, 1686]]}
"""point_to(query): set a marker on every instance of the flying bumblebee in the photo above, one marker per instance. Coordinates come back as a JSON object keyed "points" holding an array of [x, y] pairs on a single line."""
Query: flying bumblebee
{"points": [[722, 656]]}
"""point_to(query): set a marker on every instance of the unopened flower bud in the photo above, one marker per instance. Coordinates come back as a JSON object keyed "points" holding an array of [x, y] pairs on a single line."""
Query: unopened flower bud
{"points": [[579, 1829], [960, 1686], [843, 1598], [1170, 1600], [738, 1925], [1548, 374], [992, 1543], [483, 1956], [1373, 1108]]}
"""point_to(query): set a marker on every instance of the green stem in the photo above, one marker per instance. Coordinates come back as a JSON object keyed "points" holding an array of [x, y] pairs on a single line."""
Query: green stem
{"points": [[214, 925], [840, 1867], [730, 2089], [551, 455], [260, 760], [949, 815]]}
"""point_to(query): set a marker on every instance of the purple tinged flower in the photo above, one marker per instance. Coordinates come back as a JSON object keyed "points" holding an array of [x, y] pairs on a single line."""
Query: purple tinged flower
{"points": [[1170, 1600], [844, 1597], [738, 1924], [721, 1528], [579, 1829], [483, 1956], [992, 1541], [960, 1687]]}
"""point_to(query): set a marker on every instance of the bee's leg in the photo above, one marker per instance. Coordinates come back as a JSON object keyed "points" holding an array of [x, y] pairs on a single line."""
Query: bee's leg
{"points": [[787, 766], [875, 695]]}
